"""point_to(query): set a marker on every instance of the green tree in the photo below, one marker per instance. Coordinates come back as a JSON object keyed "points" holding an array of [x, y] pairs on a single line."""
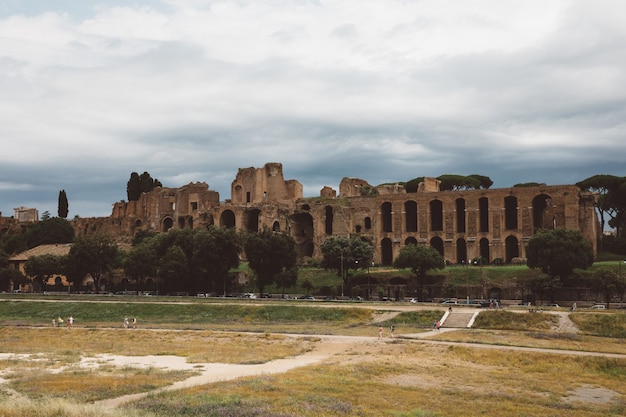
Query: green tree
{"points": [[63, 207], [50, 231], [452, 182], [41, 267], [419, 259], [412, 185], [607, 283], [611, 199], [141, 263], [485, 182], [138, 184], [343, 254], [94, 255], [183, 239], [558, 251], [174, 269], [269, 253], [287, 279], [215, 252], [10, 276]]}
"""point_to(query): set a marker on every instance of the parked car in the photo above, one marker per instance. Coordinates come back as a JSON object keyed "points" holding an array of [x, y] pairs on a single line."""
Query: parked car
{"points": [[552, 305], [307, 297], [598, 307]]}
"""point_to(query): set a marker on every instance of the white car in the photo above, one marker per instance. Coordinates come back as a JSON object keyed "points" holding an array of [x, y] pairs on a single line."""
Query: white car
{"points": [[599, 307]]}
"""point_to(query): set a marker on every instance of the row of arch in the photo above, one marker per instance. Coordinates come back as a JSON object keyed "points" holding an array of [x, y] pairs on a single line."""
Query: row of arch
{"points": [[511, 249], [540, 204]]}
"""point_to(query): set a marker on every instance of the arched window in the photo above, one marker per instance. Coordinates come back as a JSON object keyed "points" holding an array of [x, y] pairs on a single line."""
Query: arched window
{"points": [[510, 213], [410, 212], [460, 215], [483, 214], [386, 217], [436, 216], [227, 219]]}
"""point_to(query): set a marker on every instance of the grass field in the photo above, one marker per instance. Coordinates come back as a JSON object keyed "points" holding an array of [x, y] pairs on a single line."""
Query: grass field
{"points": [[401, 377]]}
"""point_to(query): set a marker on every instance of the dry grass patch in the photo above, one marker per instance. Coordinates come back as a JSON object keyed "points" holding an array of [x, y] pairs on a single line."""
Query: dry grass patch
{"points": [[86, 386], [197, 346], [545, 340], [412, 379]]}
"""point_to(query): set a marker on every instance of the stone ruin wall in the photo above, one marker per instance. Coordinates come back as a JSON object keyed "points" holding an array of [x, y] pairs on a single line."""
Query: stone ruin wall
{"points": [[262, 198]]}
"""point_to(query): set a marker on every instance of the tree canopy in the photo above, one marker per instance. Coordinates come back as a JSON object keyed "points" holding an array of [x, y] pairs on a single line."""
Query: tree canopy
{"points": [[611, 199], [419, 259], [269, 254], [94, 255], [451, 182], [63, 207], [558, 251], [138, 184], [343, 254]]}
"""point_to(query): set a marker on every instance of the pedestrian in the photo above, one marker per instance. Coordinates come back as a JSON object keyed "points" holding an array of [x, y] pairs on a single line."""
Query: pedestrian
{"points": [[59, 321], [70, 322], [450, 309], [134, 322], [574, 307], [126, 322], [54, 323], [380, 332], [391, 330], [435, 326], [438, 325]]}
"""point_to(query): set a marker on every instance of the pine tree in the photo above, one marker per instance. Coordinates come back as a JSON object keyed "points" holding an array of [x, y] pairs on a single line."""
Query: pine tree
{"points": [[63, 208]]}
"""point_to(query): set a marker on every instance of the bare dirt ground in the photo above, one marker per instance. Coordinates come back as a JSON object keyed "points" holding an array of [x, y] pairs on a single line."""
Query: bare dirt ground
{"points": [[341, 349]]}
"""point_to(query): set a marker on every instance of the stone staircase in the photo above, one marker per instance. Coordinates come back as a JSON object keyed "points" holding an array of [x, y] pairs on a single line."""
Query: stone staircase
{"points": [[458, 320]]}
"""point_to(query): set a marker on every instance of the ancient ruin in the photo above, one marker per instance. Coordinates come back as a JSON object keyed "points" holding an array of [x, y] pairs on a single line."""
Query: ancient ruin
{"points": [[494, 224]]}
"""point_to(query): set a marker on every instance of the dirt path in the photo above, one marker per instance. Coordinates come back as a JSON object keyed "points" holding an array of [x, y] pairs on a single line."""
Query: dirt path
{"points": [[328, 348]]}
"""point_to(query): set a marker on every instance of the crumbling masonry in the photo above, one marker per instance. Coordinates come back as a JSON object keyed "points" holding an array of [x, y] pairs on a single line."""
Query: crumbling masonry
{"points": [[462, 225]]}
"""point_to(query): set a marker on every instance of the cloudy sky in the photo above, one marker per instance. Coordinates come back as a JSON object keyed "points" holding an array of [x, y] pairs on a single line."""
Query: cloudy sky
{"points": [[192, 90]]}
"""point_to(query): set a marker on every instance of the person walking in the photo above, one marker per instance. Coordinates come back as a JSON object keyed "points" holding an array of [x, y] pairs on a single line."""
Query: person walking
{"points": [[391, 330], [134, 322], [70, 322], [380, 332], [126, 322]]}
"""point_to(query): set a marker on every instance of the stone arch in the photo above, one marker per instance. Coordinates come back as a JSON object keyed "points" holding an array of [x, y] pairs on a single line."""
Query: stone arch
{"points": [[484, 249], [483, 214], [410, 241], [251, 220], [512, 248], [460, 215], [167, 223], [510, 212], [437, 243], [410, 216], [276, 226], [368, 223], [227, 219], [386, 250], [461, 251], [302, 232], [328, 221], [387, 222], [436, 216], [541, 212]]}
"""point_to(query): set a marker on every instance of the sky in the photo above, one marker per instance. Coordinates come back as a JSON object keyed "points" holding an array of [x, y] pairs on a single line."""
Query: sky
{"points": [[386, 91]]}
